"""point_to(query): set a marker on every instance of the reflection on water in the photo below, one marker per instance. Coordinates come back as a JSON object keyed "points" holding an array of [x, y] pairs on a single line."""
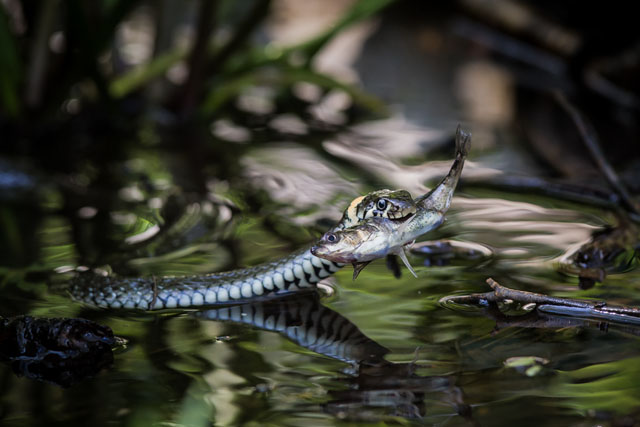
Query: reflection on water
{"points": [[306, 322], [444, 252], [609, 250], [298, 179], [380, 349], [377, 388]]}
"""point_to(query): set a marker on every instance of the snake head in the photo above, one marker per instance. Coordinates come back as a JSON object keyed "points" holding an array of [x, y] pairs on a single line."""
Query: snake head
{"points": [[397, 205]]}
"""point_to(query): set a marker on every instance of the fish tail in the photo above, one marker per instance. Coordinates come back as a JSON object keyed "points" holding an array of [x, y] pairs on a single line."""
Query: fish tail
{"points": [[440, 197]]}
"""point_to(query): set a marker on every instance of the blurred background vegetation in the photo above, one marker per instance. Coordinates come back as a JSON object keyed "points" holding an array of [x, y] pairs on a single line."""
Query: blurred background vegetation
{"points": [[88, 86]]}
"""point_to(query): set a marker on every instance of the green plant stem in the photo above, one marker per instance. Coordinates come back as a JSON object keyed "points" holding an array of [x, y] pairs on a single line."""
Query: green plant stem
{"points": [[255, 16], [39, 61], [10, 69], [245, 65], [197, 56]]}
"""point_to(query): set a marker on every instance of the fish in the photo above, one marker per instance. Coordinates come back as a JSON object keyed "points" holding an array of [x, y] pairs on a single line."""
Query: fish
{"points": [[362, 244], [378, 237]]}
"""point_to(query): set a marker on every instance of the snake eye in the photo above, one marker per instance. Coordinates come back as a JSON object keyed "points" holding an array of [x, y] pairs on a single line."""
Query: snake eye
{"points": [[382, 204], [331, 238]]}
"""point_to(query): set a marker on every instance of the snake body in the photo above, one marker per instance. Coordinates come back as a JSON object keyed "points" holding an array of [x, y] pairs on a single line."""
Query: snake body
{"points": [[291, 274], [288, 275]]}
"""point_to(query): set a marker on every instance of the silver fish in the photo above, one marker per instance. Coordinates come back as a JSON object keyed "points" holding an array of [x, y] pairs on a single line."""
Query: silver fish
{"points": [[378, 237]]}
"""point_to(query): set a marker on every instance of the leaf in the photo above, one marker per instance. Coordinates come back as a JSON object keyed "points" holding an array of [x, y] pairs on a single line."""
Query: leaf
{"points": [[287, 75], [143, 74]]}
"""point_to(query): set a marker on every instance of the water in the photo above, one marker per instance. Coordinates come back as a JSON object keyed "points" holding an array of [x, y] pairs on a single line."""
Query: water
{"points": [[446, 365]]}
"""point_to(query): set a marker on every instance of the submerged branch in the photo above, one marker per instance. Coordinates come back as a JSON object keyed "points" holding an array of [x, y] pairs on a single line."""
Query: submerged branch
{"points": [[547, 304]]}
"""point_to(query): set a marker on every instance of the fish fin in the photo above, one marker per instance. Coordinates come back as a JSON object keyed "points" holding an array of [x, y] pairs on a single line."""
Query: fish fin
{"points": [[404, 225], [358, 267], [404, 259]]}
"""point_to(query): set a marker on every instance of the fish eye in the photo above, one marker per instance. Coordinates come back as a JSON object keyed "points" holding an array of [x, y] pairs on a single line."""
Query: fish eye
{"points": [[331, 237], [382, 204]]}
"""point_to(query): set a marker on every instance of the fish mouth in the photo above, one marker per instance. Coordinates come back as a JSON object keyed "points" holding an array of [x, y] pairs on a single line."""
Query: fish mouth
{"points": [[318, 250], [323, 252]]}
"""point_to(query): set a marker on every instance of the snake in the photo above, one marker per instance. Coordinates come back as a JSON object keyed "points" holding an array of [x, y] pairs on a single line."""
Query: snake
{"points": [[294, 273], [298, 272]]}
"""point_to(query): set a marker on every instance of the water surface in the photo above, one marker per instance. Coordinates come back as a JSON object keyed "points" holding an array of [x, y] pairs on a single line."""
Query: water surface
{"points": [[444, 365]]}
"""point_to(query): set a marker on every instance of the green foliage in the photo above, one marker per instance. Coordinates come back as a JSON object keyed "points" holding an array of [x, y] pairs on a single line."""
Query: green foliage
{"points": [[217, 72]]}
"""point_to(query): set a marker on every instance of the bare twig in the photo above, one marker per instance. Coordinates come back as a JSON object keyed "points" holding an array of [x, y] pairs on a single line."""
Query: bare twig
{"points": [[510, 46], [522, 19], [545, 320], [552, 305], [503, 293], [595, 77], [613, 314], [590, 139]]}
